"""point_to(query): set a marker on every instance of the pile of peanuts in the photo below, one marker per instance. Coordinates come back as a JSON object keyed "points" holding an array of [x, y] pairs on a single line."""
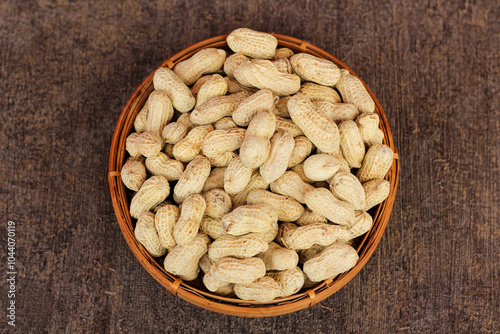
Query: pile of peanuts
{"points": [[258, 147]]}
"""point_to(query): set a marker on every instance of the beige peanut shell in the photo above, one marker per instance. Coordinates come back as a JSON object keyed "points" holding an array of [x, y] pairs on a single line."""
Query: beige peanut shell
{"points": [[215, 179], [232, 62], [132, 144], [283, 53], [252, 43], [225, 123], [223, 159], [321, 167], [163, 165], [133, 173], [279, 258], [244, 246], [256, 145], [234, 86], [337, 112], [264, 289], [188, 224], [351, 143], [376, 191], [145, 233], [245, 219], [290, 184], [287, 125], [323, 202], [152, 192], [149, 144], [221, 141], [183, 260], [256, 182], [286, 208], [165, 220], [248, 108], [218, 203], [187, 149], [332, 261], [377, 162], [346, 187], [141, 118], [354, 91], [368, 124], [212, 227], [281, 108], [316, 92], [215, 86], [297, 238], [311, 217], [236, 176], [192, 179], [217, 107], [174, 132], [299, 169], [290, 280], [239, 271], [202, 62], [315, 69], [166, 80], [282, 144], [301, 150], [160, 111]]}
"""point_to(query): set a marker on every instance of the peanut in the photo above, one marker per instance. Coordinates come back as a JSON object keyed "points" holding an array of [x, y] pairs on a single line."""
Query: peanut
{"points": [[232, 62], [239, 271], [334, 260], [218, 203], [311, 217], [132, 144], [378, 160], [256, 145], [293, 237], [362, 224], [282, 144], [188, 224], [221, 141], [287, 125], [187, 149], [252, 43], [236, 176], [133, 173], [245, 219], [279, 258], [264, 289], [145, 233], [215, 179], [169, 151], [152, 192], [283, 53], [212, 227], [318, 70], [283, 65], [205, 263], [240, 247], [310, 253], [165, 219], [320, 167], [281, 108], [376, 191], [256, 182], [183, 260], [193, 179], [263, 74], [286, 208], [368, 124], [351, 143], [161, 205], [202, 62], [225, 123], [271, 234], [346, 187], [160, 111], [223, 159], [316, 92], [215, 86], [199, 83], [166, 80], [301, 150], [149, 144], [141, 118], [290, 184], [354, 91], [234, 86], [337, 112], [323, 202], [217, 107], [163, 165], [248, 108], [174, 132], [290, 281], [320, 130], [299, 169]]}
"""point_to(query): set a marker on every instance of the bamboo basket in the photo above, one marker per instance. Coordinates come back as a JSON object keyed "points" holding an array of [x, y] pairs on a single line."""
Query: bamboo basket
{"points": [[194, 292]]}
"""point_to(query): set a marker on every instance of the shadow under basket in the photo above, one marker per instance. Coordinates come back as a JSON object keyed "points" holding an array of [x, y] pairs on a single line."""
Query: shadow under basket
{"points": [[194, 292]]}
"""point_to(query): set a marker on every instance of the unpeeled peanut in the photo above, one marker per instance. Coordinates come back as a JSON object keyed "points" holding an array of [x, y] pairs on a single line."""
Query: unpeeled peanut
{"points": [[283, 53], [160, 111], [239, 271], [337, 112], [320, 167], [183, 260], [215, 179], [286, 208], [190, 216], [279, 258], [132, 144], [377, 162], [133, 173], [323, 202], [316, 92], [192, 179], [212, 227], [311, 217], [149, 144], [262, 290], [152, 192], [166, 80], [218, 203], [225, 123], [252, 43], [318, 70], [236, 176], [215, 86], [187, 149], [256, 145], [291, 184], [217, 107], [232, 62], [368, 124], [346, 187], [145, 233], [141, 118], [247, 245], [221, 141], [332, 261], [245, 219], [351, 143], [223, 159], [301, 150], [165, 220], [287, 125], [354, 91], [294, 237], [163, 165], [256, 182], [174, 132], [376, 191], [202, 62], [290, 280], [282, 144], [249, 107]]}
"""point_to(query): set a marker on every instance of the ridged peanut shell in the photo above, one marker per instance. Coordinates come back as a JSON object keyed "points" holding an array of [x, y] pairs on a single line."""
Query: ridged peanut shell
{"points": [[166, 80], [377, 162], [368, 125], [283, 65], [205, 263], [165, 220], [152, 192], [279, 258], [183, 260], [281, 108], [174, 132], [212, 227], [236, 176], [215, 86], [160, 111], [310, 253], [133, 173], [311, 217], [222, 141], [334, 260], [323, 202], [290, 281], [346, 187], [256, 145], [286, 208], [244, 246], [188, 224], [362, 224], [149, 144], [290, 184], [287, 125], [245, 219], [316, 92], [319, 129], [145, 233], [282, 144], [198, 84], [376, 191], [315, 69], [301, 150], [299, 169], [193, 179], [320, 167], [141, 118], [252, 43], [297, 238], [225, 123], [218, 203], [163, 165], [256, 182], [232, 62], [351, 143], [187, 149], [202, 62], [234, 86], [353, 91], [239, 271], [217, 107], [215, 179], [223, 159], [263, 74], [248, 108], [264, 289], [283, 53], [337, 112], [132, 144]]}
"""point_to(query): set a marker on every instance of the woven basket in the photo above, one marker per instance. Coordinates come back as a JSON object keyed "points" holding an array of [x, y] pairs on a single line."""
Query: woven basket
{"points": [[194, 292]]}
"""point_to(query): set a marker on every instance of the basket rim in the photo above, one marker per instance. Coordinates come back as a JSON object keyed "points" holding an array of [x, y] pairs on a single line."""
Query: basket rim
{"points": [[208, 300]]}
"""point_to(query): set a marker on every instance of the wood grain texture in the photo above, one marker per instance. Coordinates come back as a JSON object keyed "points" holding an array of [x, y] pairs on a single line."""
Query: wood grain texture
{"points": [[67, 69]]}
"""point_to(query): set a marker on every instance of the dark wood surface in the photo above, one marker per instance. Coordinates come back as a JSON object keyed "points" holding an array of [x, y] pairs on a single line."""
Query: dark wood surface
{"points": [[68, 68]]}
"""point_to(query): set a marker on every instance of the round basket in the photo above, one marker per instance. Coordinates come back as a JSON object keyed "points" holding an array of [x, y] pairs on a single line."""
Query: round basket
{"points": [[194, 292]]}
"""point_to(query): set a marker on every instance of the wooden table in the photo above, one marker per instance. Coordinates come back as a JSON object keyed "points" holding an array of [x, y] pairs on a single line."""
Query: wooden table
{"points": [[67, 70]]}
